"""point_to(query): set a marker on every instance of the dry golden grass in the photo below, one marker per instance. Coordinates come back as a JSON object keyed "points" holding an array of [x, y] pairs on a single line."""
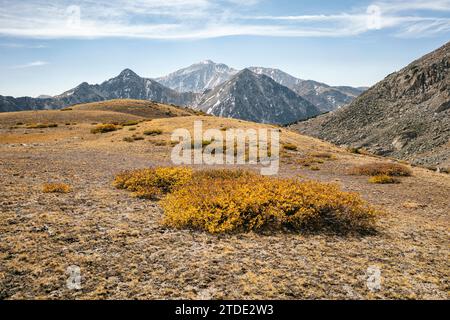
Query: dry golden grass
{"points": [[381, 168], [8, 119], [229, 202], [141, 108], [272, 265], [56, 188]]}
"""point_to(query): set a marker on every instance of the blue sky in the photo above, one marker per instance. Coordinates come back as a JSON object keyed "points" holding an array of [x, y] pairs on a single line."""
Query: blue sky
{"points": [[47, 47]]}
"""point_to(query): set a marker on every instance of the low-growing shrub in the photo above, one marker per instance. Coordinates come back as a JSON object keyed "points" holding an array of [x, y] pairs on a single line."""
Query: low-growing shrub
{"points": [[224, 174], [133, 138], [384, 168], [205, 143], [289, 146], [383, 179], [153, 132], [130, 123], [250, 203], [128, 139], [322, 155], [154, 182], [56, 188], [354, 150], [158, 143], [309, 161], [41, 125], [104, 128]]}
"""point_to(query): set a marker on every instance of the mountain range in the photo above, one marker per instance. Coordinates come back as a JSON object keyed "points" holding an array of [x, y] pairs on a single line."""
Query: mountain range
{"points": [[256, 94], [406, 115], [198, 77], [255, 97]]}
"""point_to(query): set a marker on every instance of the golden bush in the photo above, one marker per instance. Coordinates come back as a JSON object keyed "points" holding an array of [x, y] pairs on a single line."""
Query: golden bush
{"points": [[56, 188], [289, 146], [383, 179], [130, 123], [223, 174], [154, 182], [383, 168], [153, 132], [103, 128], [249, 202]]}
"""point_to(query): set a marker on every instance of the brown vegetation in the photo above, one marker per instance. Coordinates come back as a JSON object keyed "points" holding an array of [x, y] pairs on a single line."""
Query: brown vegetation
{"points": [[378, 168], [56, 188]]}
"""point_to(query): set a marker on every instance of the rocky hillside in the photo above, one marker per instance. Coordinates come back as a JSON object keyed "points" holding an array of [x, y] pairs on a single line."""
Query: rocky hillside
{"points": [[258, 98], [407, 115], [323, 96], [198, 77]]}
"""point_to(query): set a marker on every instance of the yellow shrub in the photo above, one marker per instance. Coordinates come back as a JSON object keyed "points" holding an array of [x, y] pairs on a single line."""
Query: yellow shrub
{"points": [[385, 168], [223, 174], [103, 128], [383, 179], [133, 138], [130, 123], [56, 188], [153, 132], [154, 182], [251, 202], [289, 146]]}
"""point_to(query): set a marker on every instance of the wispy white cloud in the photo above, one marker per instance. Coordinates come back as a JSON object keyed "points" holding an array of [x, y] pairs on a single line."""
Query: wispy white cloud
{"points": [[30, 65], [13, 45], [197, 19]]}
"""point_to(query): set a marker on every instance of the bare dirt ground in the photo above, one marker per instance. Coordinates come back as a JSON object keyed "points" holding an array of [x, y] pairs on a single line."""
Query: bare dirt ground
{"points": [[125, 253]]}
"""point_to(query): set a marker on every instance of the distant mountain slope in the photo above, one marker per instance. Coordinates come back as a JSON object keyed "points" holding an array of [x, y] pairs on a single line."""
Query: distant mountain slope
{"points": [[208, 75], [127, 85], [198, 77], [323, 96], [254, 97], [407, 115]]}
